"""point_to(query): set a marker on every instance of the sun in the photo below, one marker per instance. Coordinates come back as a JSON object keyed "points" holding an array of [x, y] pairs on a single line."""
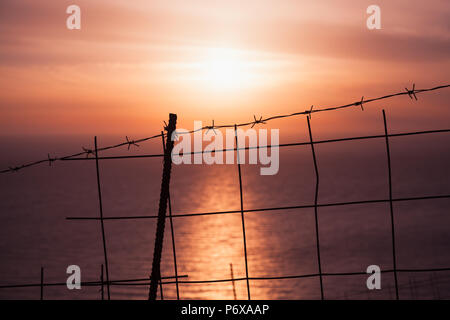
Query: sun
{"points": [[225, 69]]}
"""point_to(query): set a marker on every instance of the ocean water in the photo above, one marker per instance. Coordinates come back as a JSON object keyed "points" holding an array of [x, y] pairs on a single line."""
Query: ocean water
{"points": [[35, 202]]}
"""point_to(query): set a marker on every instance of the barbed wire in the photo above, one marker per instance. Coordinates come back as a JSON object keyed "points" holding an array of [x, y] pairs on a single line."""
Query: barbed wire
{"points": [[411, 93], [86, 152]]}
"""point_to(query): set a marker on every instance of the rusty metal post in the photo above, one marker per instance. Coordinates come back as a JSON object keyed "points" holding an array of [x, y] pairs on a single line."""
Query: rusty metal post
{"points": [[164, 196]]}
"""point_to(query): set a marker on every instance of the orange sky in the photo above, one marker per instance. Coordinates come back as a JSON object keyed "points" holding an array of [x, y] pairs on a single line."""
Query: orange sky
{"points": [[133, 62]]}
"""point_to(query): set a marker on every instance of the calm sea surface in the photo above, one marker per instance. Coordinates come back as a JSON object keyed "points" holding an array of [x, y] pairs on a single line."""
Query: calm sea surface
{"points": [[35, 202]]}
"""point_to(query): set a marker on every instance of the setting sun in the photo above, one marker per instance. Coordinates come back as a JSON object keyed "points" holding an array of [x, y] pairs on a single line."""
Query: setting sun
{"points": [[226, 69]]}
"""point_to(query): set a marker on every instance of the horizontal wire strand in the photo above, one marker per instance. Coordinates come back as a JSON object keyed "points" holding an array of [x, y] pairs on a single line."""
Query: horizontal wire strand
{"points": [[145, 281]]}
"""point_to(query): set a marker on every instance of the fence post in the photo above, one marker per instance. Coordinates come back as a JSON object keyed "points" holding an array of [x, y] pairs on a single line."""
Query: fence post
{"points": [[164, 195], [172, 232]]}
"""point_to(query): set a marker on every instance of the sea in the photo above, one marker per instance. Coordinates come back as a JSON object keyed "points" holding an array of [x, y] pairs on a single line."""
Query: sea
{"points": [[37, 204]]}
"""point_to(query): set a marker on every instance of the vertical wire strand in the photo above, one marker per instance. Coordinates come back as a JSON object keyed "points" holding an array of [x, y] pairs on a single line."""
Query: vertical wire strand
{"points": [[101, 217], [242, 211], [315, 210], [394, 257], [42, 284], [161, 289], [232, 278], [102, 289], [172, 231]]}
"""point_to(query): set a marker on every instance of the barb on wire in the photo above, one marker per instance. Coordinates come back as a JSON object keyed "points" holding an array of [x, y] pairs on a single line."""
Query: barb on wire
{"points": [[88, 151], [131, 142], [211, 127], [50, 159], [360, 103], [308, 112], [14, 169], [411, 93], [260, 121]]}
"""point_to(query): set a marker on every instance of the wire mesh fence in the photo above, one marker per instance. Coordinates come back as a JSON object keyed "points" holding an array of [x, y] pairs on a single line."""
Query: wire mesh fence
{"points": [[156, 280]]}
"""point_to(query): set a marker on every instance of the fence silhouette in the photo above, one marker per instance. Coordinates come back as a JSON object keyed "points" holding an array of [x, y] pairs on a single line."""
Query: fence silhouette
{"points": [[156, 280]]}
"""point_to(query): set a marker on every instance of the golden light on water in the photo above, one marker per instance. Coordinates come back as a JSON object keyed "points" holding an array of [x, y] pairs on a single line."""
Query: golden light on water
{"points": [[211, 243]]}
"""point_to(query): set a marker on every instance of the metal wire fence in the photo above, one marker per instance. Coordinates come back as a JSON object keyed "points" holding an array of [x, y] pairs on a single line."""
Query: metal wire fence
{"points": [[94, 155]]}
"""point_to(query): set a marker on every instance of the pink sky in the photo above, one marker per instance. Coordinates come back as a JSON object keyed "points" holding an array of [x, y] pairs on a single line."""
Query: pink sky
{"points": [[133, 62]]}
